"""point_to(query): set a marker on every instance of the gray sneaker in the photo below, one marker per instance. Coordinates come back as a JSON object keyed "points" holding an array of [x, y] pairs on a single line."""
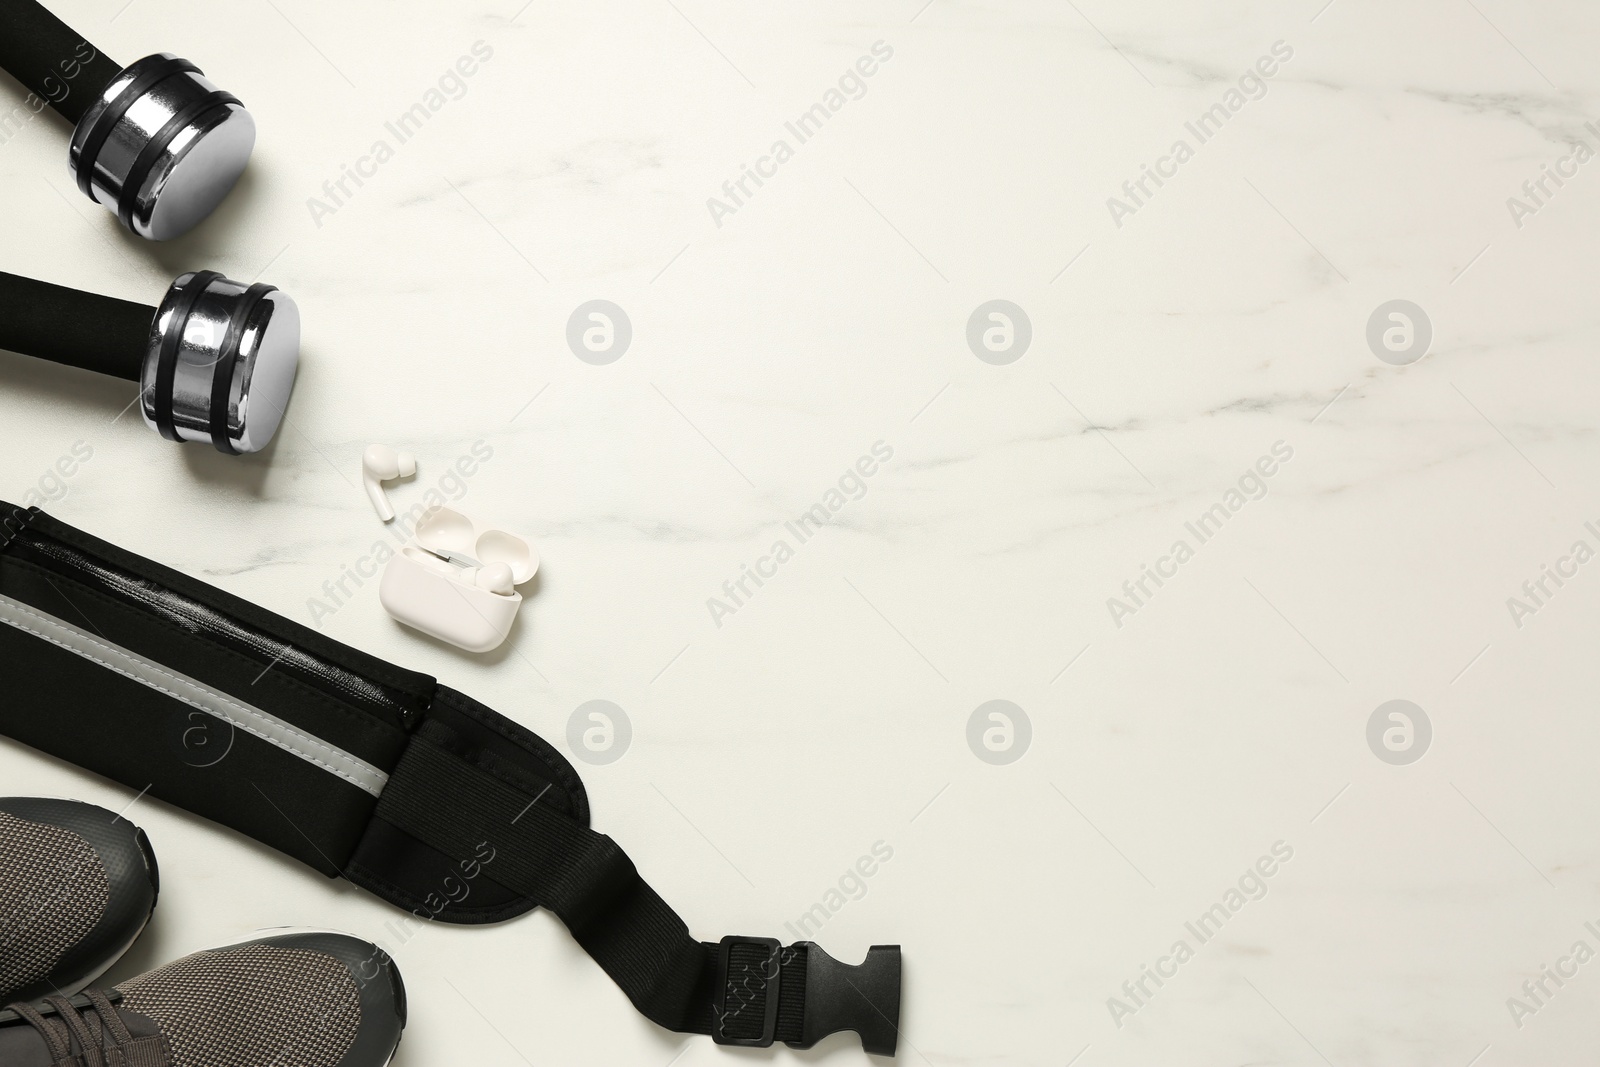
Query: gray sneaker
{"points": [[77, 886], [291, 1000]]}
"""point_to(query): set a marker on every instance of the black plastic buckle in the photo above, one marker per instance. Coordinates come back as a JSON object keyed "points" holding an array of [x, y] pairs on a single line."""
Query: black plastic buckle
{"points": [[865, 999], [743, 998]]}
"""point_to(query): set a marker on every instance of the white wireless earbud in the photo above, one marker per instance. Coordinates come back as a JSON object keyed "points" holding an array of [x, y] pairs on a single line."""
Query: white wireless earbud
{"points": [[379, 464], [496, 578]]}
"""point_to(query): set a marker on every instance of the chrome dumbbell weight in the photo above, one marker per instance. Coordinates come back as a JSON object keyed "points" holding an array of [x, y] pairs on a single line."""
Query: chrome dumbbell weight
{"points": [[154, 142], [215, 362]]}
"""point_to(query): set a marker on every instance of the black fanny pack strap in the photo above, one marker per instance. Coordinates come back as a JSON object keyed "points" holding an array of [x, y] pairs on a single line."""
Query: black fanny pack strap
{"points": [[741, 991], [409, 789]]}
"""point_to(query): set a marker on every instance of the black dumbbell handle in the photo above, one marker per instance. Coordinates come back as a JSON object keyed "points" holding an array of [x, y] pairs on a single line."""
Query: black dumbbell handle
{"points": [[52, 59], [98, 333]]}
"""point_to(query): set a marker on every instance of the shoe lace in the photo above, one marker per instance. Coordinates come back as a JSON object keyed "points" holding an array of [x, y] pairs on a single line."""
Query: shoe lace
{"points": [[107, 1044]]}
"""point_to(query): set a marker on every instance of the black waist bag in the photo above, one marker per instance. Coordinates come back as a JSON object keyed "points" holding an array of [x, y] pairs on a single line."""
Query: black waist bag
{"points": [[362, 770]]}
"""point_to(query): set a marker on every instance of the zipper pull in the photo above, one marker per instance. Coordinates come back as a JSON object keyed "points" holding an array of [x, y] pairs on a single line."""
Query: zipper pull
{"points": [[16, 521]]}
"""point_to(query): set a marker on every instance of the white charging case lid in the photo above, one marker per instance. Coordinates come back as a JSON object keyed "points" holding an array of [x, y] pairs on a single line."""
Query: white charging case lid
{"points": [[442, 529]]}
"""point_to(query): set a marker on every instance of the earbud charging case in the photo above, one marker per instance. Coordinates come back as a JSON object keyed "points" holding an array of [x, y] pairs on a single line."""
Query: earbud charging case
{"points": [[439, 598]]}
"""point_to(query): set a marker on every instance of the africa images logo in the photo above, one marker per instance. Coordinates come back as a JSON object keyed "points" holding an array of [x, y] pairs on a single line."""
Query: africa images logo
{"points": [[851, 486], [1251, 886], [1251, 85], [851, 85]]}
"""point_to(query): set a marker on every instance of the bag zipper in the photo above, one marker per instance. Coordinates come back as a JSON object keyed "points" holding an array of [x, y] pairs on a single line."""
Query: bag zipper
{"points": [[199, 619], [238, 714]]}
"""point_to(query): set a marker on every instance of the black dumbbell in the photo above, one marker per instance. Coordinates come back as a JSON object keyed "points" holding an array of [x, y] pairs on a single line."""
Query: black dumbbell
{"points": [[156, 142], [215, 362]]}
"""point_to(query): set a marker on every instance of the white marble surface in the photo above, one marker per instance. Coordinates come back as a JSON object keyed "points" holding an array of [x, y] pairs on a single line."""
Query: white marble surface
{"points": [[1226, 313]]}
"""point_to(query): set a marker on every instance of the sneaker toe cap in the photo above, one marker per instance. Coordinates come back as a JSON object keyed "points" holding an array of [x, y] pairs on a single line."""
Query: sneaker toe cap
{"points": [[85, 882]]}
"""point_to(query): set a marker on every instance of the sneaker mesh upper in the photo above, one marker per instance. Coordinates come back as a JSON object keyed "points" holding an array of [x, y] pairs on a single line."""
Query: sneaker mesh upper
{"points": [[254, 1006], [53, 890]]}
